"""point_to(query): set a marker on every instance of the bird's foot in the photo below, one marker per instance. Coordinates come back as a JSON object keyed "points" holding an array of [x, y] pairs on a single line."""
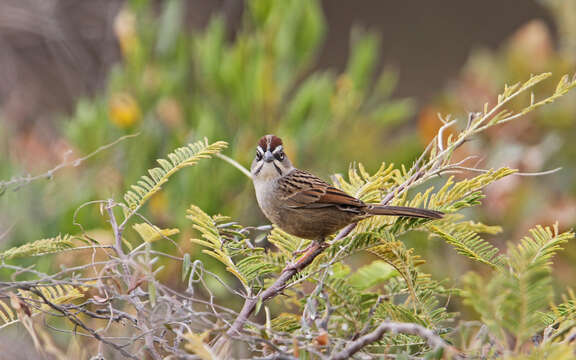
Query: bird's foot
{"points": [[300, 252], [310, 249]]}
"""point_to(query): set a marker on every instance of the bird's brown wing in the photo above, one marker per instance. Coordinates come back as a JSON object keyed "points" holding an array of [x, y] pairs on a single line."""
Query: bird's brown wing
{"points": [[304, 190]]}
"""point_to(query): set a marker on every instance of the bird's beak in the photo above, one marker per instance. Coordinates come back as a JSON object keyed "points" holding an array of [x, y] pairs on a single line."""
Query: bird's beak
{"points": [[268, 157]]}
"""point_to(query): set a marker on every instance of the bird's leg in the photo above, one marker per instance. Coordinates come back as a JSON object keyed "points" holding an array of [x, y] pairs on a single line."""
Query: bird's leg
{"points": [[312, 248], [299, 251]]}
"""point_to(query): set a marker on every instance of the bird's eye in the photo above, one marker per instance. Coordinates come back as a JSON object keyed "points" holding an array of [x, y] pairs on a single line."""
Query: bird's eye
{"points": [[258, 155], [280, 156]]}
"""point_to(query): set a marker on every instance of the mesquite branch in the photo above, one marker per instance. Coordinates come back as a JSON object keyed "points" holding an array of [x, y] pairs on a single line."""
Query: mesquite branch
{"points": [[353, 347]]}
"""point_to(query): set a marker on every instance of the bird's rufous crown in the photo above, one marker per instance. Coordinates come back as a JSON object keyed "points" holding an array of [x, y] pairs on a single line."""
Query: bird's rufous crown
{"points": [[269, 142]]}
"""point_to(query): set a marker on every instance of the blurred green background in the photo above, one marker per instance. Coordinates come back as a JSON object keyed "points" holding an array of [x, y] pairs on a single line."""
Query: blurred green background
{"points": [[338, 82]]}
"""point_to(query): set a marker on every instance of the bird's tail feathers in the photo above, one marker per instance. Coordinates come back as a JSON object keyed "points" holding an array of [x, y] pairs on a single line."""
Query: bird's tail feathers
{"points": [[405, 211]]}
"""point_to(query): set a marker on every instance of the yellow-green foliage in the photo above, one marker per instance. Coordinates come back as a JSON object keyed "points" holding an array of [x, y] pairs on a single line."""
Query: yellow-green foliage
{"points": [[39, 247], [151, 233], [180, 158], [56, 294], [563, 311], [511, 299], [212, 241]]}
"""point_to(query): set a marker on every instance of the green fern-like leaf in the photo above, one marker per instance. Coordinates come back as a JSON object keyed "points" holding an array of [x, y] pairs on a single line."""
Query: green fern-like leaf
{"points": [[396, 254], [536, 251], [286, 322], [368, 187], [532, 290], [39, 247], [372, 274], [350, 306], [469, 244], [182, 157], [457, 195], [563, 311], [513, 299], [56, 294], [7, 315], [389, 311], [255, 266], [285, 242], [211, 239], [560, 312]]}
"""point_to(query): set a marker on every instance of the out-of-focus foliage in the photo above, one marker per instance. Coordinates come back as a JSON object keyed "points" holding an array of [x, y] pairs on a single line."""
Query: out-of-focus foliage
{"points": [[544, 142], [177, 85]]}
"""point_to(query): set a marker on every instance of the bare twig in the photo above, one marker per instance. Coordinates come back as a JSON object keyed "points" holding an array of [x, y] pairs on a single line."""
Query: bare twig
{"points": [[274, 290], [353, 347], [78, 322], [235, 163], [18, 182]]}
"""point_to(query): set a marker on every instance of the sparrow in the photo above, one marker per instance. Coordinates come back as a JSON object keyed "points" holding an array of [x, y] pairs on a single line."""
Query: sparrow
{"points": [[306, 206]]}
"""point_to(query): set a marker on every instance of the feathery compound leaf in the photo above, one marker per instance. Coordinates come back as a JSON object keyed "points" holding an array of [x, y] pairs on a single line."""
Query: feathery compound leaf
{"points": [[39, 247], [537, 250], [151, 233], [512, 301], [196, 344], [387, 310], [368, 187], [395, 254], [182, 157], [375, 273], [285, 242], [563, 311], [255, 266], [7, 315], [286, 322], [56, 294], [211, 239], [454, 196], [560, 312], [469, 244]]}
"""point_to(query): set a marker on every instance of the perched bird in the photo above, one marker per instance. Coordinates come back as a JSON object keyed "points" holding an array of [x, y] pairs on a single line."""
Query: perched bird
{"points": [[306, 206]]}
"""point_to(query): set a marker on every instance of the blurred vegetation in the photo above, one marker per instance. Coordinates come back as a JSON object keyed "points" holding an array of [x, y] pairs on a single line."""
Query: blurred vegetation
{"points": [[543, 142], [177, 86]]}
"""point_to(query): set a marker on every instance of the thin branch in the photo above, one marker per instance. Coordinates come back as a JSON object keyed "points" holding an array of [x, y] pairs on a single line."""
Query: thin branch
{"points": [[235, 163], [18, 182], [536, 173], [76, 321], [353, 347], [117, 231], [275, 289]]}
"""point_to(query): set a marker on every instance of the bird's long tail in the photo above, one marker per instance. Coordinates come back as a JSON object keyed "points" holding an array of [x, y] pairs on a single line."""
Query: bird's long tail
{"points": [[405, 211]]}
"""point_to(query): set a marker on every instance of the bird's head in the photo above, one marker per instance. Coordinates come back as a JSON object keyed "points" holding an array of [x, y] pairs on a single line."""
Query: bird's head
{"points": [[270, 161]]}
